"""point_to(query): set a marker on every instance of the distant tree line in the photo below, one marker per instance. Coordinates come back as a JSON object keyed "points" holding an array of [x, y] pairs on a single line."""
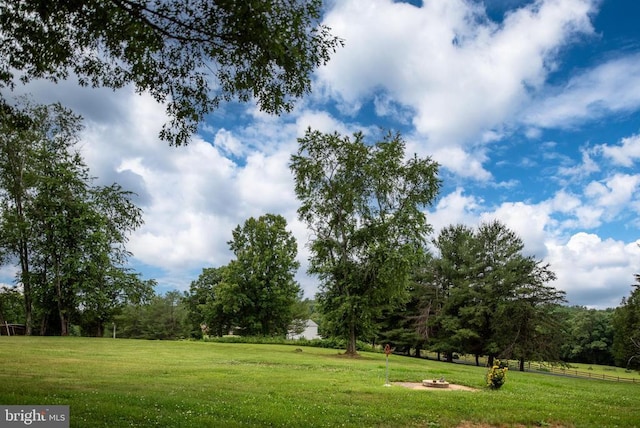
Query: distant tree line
{"points": [[582, 335]]}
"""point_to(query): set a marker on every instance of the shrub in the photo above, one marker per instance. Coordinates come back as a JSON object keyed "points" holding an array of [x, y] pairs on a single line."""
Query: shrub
{"points": [[497, 375]]}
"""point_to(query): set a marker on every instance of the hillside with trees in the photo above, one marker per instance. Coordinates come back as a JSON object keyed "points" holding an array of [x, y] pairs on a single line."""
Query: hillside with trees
{"points": [[382, 277]]}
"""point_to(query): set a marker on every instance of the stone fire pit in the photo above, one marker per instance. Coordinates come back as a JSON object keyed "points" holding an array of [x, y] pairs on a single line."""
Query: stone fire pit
{"points": [[435, 383]]}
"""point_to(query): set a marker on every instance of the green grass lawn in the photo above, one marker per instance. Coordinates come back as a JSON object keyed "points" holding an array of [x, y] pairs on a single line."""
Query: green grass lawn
{"points": [[608, 371], [572, 369], [122, 383]]}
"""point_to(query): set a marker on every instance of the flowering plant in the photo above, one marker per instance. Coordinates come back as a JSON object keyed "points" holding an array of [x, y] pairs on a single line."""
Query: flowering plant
{"points": [[497, 375]]}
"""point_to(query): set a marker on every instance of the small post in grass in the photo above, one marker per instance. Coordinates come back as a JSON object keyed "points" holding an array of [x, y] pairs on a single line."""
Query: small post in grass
{"points": [[387, 351]]}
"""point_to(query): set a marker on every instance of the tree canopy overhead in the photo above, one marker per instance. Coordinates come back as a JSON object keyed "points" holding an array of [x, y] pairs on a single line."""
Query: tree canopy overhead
{"points": [[191, 54]]}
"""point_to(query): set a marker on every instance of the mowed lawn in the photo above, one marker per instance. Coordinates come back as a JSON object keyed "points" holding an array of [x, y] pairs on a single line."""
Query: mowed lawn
{"points": [[122, 383]]}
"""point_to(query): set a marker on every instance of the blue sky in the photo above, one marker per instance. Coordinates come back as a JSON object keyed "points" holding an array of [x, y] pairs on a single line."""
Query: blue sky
{"points": [[532, 109]]}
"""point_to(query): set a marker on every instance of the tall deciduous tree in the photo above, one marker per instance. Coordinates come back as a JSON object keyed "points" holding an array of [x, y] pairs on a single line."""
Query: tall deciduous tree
{"points": [[256, 292], [261, 280], [203, 310], [67, 235], [104, 282], [19, 136], [363, 203], [191, 54]]}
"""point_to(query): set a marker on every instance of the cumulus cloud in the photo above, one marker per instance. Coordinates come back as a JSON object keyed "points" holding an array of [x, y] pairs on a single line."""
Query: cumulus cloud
{"points": [[594, 272], [612, 87], [467, 164], [455, 208], [461, 73], [624, 154], [613, 193]]}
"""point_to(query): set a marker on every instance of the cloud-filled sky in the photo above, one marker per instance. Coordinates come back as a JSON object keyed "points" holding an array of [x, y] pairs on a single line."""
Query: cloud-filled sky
{"points": [[532, 109]]}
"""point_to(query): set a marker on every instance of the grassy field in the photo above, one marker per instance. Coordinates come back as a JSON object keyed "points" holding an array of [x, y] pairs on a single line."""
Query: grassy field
{"points": [[122, 383]]}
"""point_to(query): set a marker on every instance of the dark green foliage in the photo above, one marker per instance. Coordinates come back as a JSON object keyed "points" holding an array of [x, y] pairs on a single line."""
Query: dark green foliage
{"points": [[403, 328], [11, 305], [202, 311], [363, 204], [256, 293], [162, 317], [259, 288], [626, 327], [67, 235], [589, 335], [190, 54], [489, 299]]}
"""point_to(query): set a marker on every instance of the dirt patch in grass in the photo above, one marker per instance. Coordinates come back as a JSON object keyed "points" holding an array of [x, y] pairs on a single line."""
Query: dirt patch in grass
{"points": [[420, 386]]}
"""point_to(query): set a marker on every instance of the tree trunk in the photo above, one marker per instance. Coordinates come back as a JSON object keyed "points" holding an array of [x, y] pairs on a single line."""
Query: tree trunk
{"points": [[25, 276], [351, 342], [44, 325], [521, 364], [63, 319], [28, 308], [477, 360], [490, 361]]}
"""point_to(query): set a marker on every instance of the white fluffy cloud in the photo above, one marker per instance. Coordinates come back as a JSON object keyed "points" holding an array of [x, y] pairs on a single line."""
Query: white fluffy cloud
{"points": [[614, 86], [614, 193], [624, 154], [594, 272], [461, 73]]}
